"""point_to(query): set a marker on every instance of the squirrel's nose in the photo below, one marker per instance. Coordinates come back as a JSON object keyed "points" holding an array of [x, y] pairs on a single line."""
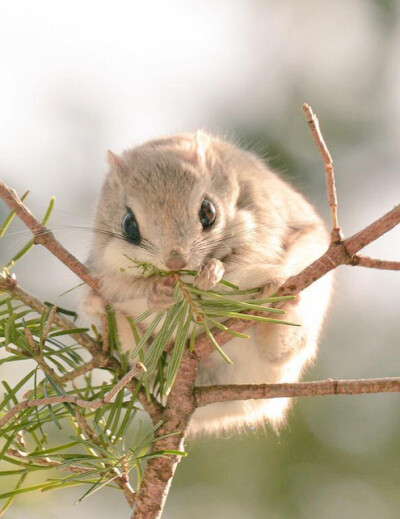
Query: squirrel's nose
{"points": [[176, 260]]}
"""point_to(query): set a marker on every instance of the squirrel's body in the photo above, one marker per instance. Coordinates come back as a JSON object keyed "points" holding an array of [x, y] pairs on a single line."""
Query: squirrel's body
{"points": [[199, 203]]}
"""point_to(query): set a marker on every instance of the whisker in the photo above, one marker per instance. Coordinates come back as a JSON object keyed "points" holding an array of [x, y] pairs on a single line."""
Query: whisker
{"points": [[223, 234]]}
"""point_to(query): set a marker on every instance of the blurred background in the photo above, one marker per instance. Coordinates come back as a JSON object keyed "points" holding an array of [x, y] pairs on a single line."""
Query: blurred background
{"points": [[78, 78]]}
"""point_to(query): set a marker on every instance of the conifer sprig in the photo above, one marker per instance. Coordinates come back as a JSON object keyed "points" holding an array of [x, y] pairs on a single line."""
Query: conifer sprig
{"points": [[194, 312]]}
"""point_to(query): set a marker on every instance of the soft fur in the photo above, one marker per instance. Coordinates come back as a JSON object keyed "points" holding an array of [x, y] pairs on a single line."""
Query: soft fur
{"points": [[264, 232]]}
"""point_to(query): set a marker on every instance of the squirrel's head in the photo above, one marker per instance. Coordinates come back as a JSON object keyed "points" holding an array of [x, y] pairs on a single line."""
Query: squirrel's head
{"points": [[171, 202]]}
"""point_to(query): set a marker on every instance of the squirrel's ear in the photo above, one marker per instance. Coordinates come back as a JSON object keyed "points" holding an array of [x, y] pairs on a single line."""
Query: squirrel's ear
{"points": [[204, 151], [114, 160]]}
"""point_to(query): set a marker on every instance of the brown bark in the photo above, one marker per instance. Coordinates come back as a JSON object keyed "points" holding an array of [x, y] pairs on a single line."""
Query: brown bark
{"points": [[160, 471], [224, 393], [45, 237], [373, 263]]}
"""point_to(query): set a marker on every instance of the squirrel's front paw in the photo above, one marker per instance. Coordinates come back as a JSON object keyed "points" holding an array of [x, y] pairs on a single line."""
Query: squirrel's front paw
{"points": [[161, 295], [210, 274]]}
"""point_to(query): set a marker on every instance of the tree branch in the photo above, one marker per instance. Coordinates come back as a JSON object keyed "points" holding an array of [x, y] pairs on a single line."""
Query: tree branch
{"points": [[224, 393], [373, 231], [99, 351], [46, 462], [341, 253], [9, 284], [119, 479], [82, 370], [313, 124], [338, 253], [160, 471], [70, 399], [149, 403], [45, 237], [364, 261]]}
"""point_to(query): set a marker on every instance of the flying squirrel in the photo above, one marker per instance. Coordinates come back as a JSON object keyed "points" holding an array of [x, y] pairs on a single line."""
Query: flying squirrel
{"points": [[198, 202]]}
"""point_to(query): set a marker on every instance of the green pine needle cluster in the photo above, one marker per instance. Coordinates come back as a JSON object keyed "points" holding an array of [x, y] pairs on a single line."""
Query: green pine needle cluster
{"points": [[100, 452], [194, 312]]}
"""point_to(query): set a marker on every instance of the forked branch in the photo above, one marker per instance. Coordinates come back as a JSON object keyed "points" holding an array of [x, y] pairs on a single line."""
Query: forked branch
{"points": [[313, 124], [70, 399]]}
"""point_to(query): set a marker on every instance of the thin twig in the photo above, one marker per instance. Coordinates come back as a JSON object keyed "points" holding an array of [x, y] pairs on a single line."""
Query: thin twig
{"points": [[82, 370], [67, 377], [120, 479], [44, 237], [49, 323], [373, 231], [313, 124], [224, 393], [9, 284], [81, 422], [70, 399], [38, 357], [105, 334], [364, 261], [46, 462], [341, 253], [31, 341]]}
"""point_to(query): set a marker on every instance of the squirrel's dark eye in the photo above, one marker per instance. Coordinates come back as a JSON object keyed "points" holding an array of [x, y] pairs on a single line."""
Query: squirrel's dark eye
{"points": [[207, 213], [130, 228]]}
